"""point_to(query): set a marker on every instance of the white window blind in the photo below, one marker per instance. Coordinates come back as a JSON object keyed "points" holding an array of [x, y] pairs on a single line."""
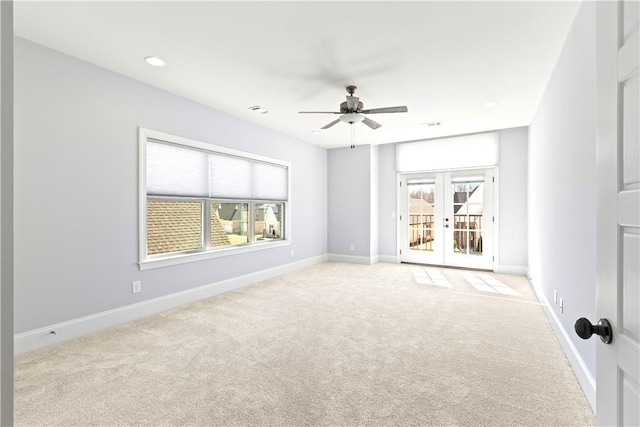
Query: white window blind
{"points": [[421, 181], [467, 179], [178, 171], [173, 171], [470, 151], [268, 181], [230, 177]]}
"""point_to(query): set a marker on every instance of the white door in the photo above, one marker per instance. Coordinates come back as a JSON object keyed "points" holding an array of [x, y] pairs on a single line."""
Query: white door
{"points": [[421, 218], [446, 218], [468, 219], [618, 212]]}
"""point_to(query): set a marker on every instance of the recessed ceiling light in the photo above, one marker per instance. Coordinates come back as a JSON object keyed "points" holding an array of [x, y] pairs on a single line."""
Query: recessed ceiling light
{"points": [[156, 62], [490, 104]]}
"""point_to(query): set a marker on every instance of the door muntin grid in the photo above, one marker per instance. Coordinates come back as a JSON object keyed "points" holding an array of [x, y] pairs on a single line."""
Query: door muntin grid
{"points": [[421, 223], [468, 211]]}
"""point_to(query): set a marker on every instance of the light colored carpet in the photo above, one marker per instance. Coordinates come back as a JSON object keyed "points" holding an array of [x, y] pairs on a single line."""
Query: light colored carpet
{"points": [[334, 344]]}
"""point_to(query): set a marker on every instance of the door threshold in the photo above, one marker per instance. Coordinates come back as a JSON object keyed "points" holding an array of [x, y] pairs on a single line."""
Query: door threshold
{"points": [[451, 267]]}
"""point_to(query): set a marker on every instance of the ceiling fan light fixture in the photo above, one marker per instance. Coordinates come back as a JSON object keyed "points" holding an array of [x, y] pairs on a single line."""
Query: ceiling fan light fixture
{"points": [[352, 118]]}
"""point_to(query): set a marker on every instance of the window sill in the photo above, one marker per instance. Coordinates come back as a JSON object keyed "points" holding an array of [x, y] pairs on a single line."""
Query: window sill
{"points": [[186, 258]]}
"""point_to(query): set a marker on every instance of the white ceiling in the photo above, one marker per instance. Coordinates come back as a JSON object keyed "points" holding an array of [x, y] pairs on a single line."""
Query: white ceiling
{"points": [[443, 60]]}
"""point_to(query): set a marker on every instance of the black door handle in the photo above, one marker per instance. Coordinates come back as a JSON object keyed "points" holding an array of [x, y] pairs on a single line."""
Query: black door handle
{"points": [[585, 329]]}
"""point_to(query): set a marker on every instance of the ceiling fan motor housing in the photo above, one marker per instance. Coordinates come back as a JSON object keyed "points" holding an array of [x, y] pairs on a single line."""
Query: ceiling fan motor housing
{"points": [[344, 108]]}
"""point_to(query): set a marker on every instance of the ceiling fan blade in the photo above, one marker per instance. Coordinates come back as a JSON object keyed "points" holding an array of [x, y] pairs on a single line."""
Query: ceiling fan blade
{"points": [[402, 109], [352, 102], [319, 112], [373, 125], [330, 124]]}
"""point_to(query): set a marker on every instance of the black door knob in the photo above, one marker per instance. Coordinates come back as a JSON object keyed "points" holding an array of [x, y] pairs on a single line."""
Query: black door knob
{"points": [[585, 329]]}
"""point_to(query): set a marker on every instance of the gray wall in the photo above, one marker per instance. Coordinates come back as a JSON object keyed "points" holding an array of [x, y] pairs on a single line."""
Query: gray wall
{"points": [[76, 188], [349, 202], [512, 196], [375, 201], [562, 185], [372, 220], [388, 201]]}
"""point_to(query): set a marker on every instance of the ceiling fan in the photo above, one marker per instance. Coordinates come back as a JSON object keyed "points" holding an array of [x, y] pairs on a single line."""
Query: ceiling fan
{"points": [[352, 111]]}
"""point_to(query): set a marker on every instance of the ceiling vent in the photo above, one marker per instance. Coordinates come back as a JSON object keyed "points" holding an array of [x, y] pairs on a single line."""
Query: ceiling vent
{"points": [[259, 109]]}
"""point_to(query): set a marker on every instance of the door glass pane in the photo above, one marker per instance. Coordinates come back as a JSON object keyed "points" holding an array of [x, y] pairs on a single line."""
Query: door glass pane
{"points": [[460, 241], [421, 217], [467, 216], [475, 243]]}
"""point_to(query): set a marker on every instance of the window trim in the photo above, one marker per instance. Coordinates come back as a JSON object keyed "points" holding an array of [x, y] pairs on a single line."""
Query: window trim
{"points": [[145, 261]]}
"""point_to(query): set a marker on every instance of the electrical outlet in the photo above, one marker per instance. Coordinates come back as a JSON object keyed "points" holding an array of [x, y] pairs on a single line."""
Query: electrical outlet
{"points": [[136, 287], [561, 306], [352, 247], [555, 296]]}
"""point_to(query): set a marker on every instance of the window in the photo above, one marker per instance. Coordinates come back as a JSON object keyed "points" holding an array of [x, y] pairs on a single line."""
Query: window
{"points": [[201, 201]]}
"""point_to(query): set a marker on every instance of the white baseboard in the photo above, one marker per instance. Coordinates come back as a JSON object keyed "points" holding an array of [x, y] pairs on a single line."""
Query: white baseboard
{"points": [[374, 259], [586, 380], [351, 259], [42, 337], [390, 259], [518, 270]]}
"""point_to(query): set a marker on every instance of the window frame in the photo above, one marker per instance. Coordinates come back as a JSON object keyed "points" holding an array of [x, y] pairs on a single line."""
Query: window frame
{"points": [[146, 261]]}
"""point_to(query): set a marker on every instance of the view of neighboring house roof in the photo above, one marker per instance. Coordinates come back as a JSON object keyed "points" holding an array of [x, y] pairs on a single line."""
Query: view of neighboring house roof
{"points": [[468, 202], [176, 227], [473, 205], [419, 205], [476, 201], [231, 211], [173, 227], [218, 234]]}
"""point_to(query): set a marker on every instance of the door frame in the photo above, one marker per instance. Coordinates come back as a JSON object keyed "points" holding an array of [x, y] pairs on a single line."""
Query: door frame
{"points": [[496, 210]]}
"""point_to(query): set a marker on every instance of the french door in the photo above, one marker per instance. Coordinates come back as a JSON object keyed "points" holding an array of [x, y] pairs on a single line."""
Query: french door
{"points": [[446, 218]]}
